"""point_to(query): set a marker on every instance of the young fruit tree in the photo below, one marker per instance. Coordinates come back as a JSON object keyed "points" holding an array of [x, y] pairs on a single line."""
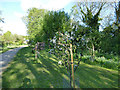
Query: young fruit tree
{"points": [[67, 48]]}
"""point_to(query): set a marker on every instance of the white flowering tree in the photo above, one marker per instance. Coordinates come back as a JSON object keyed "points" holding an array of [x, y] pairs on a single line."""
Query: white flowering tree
{"points": [[68, 45]]}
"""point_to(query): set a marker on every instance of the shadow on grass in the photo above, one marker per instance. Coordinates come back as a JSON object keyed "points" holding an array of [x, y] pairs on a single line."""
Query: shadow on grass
{"points": [[23, 73], [94, 77], [27, 72], [56, 72], [6, 57]]}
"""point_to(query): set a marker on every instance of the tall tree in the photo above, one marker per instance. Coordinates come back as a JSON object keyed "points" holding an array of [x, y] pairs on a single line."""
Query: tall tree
{"points": [[117, 12], [34, 23], [55, 21], [8, 37], [88, 14]]}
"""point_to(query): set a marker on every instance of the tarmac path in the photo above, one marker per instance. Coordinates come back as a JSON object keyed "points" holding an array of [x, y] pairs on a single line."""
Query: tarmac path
{"points": [[5, 58]]}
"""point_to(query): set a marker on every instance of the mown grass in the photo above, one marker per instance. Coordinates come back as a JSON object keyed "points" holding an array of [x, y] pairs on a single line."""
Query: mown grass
{"points": [[27, 72], [4, 49]]}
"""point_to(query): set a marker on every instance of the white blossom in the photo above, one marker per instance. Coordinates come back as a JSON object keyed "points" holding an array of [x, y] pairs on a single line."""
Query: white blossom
{"points": [[60, 62]]}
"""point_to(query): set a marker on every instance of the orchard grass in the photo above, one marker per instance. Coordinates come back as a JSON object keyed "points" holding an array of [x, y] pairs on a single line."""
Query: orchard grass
{"points": [[25, 71]]}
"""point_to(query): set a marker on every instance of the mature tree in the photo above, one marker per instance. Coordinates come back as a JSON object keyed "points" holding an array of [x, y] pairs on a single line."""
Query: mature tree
{"points": [[7, 37], [34, 23], [117, 12], [118, 21], [88, 15], [111, 33], [55, 21]]}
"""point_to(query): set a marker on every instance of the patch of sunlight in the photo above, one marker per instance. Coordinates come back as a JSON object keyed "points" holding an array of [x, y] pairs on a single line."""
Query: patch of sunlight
{"points": [[106, 83], [53, 59], [11, 70], [44, 69], [31, 76], [19, 65], [76, 86], [39, 69], [31, 58], [106, 79], [28, 73], [103, 68], [27, 60], [39, 61], [26, 54], [12, 77], [42, 55], [56, 69], [51, 86], [22, 70], [55, 65], [54, 56], [65, 76], [98, 67]]}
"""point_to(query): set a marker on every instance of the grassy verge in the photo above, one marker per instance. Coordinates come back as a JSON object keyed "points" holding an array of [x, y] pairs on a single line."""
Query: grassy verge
{"points": [[4, 49], [27, 72]]}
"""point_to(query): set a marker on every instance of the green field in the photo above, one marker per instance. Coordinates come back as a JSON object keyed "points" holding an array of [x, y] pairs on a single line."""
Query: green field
{"points": [[27, 72]]}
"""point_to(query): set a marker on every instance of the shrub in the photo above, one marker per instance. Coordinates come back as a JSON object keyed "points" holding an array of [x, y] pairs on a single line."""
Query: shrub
{"points": [[111, 64], [101, 61]]}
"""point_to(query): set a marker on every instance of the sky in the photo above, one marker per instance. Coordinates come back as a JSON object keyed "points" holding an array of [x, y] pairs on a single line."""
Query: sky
{"points": [[13, 10]]}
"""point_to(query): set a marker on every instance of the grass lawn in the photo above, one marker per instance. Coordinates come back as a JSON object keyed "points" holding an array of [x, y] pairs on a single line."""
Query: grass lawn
{"points": [[26, 72], [4, 49]]}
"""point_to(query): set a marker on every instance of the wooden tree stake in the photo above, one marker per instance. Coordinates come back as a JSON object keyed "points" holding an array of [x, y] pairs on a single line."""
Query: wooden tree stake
{"points": [[69, 68], [72, 66]]}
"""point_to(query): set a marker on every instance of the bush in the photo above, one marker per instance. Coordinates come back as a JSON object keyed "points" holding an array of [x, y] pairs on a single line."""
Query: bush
{"points": [[101, 61], [111, 64], [85, 58]]}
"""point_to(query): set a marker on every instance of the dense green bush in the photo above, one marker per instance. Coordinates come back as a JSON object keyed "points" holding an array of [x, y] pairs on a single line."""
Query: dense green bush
{"points": [[110, 64], [102, 61]]}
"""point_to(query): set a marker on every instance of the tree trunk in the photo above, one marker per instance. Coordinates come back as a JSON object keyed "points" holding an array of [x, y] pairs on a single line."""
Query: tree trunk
{"points": [[36, 51], [93, 49], [93, 52]]}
